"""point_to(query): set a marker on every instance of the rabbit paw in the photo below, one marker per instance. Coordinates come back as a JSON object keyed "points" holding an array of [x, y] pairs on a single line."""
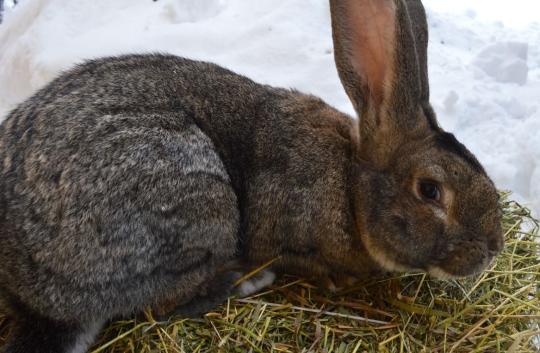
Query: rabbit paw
{"points": [[256, 283], [216, 292]]}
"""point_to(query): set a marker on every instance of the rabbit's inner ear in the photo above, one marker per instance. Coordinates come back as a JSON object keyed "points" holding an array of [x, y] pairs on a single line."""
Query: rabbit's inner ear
{"points": [[364, 42]]}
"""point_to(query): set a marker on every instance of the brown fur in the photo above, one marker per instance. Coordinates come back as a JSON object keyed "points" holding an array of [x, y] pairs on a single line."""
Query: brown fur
{"points": [[399, 146], [137, 181]]}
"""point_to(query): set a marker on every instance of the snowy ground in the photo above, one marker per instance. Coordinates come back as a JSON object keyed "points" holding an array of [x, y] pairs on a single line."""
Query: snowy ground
{"points": [[484, 59]]}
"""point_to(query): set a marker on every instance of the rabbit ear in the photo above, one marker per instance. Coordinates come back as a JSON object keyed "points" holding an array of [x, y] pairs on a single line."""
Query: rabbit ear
{"points": [[383, 68], [417, 15]]}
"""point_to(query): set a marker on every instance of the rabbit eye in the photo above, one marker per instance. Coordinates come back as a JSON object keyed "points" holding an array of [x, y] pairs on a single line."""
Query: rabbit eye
{"points": [[430, 190]]}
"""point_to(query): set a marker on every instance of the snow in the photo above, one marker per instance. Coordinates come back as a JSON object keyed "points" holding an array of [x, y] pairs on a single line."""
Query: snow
{"points": [[506, 62], [484, 59]]}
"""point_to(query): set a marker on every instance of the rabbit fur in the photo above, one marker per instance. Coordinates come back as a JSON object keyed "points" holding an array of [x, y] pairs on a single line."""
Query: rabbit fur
{"points": [[152, 180]]}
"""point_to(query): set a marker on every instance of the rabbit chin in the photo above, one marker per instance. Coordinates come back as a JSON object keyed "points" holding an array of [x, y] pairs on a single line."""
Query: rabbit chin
{"points": [[439, 273]]}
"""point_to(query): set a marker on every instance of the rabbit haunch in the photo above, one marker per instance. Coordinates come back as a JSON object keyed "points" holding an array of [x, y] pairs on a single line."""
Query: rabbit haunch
{"points": [[152, 180]]}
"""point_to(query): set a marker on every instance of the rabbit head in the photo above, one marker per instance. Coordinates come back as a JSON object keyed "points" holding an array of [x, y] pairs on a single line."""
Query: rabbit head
{"points": [[428, 204]]}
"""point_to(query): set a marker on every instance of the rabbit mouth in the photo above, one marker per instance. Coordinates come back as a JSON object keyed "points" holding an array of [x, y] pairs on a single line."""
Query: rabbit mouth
{"points": [[441, 273]]}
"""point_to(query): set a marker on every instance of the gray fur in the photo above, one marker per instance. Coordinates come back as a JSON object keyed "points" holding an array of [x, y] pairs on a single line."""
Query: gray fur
{"points": [[125, 179], [102, 194], [149, 180]]}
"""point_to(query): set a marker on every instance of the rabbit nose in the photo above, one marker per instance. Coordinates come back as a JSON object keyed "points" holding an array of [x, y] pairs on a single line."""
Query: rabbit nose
{"points": [[495, 243]]}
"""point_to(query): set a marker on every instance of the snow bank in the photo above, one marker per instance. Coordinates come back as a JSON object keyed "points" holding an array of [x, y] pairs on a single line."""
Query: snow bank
{"points": [[484, 59], [506, 62]]}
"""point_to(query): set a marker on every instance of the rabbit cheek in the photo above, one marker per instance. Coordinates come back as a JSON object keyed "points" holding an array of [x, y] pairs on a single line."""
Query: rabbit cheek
{"points": [[380, 253], [383, 232]]}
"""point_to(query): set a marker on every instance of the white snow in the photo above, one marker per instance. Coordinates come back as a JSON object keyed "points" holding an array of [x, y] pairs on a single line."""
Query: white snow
{"points": [[506, 62], [484, 59]]}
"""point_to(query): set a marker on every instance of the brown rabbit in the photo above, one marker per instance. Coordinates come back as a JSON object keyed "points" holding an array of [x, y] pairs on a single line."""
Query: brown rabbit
{"points": [[400, 194], [142, 180]]}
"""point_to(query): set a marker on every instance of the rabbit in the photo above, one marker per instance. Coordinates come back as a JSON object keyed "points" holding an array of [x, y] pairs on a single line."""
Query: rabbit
{"points": [[155, 181]]}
